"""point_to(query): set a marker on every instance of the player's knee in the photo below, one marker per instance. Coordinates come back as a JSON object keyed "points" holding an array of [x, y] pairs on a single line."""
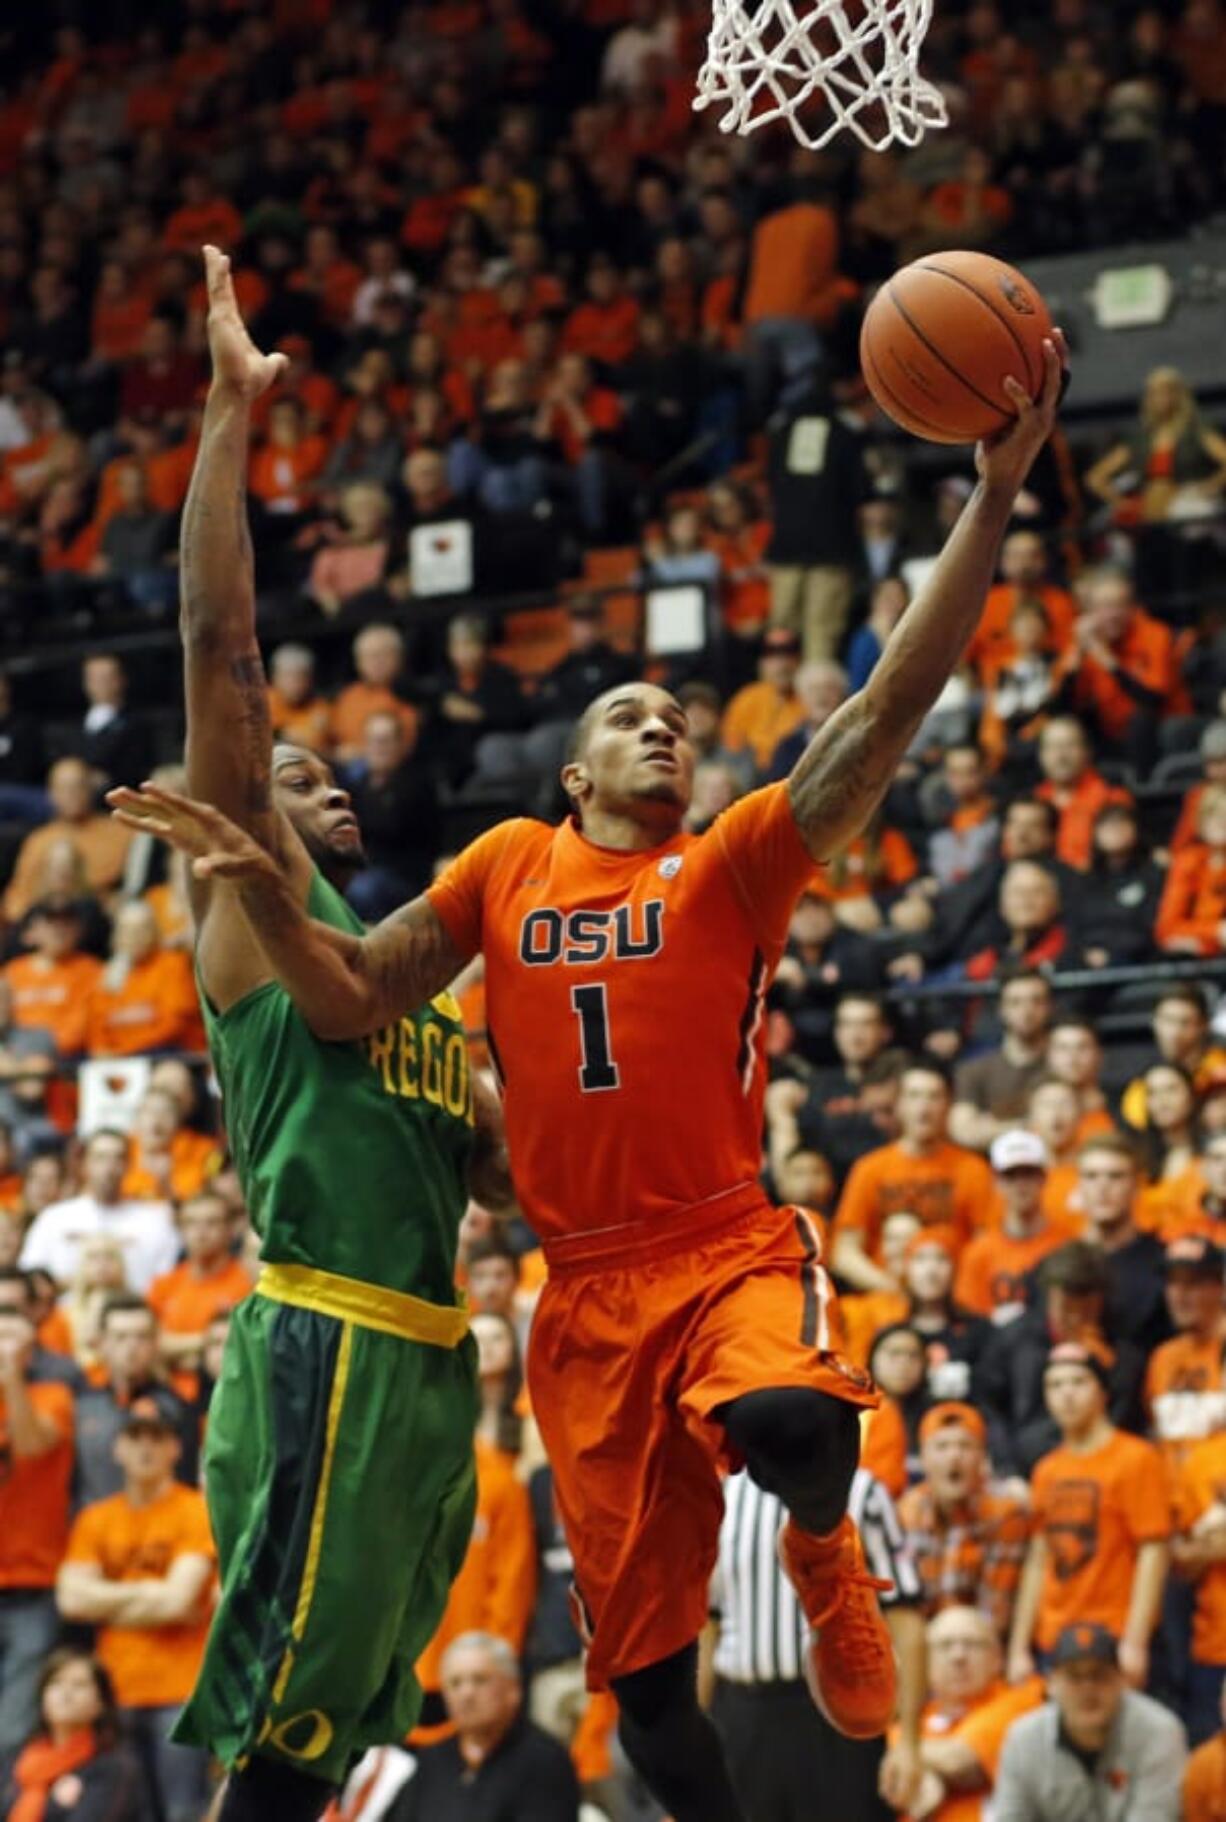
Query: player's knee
{"points": [[649, 1697], [267, 1787], [795, 1437]]}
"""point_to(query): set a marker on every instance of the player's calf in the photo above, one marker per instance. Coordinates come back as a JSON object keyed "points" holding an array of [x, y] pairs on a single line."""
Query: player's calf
{"points": [[671, 1743], [265, 1788]]}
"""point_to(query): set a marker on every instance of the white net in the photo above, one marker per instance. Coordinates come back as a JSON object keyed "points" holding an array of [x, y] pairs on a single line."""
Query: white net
{"points": [[822, 65]]}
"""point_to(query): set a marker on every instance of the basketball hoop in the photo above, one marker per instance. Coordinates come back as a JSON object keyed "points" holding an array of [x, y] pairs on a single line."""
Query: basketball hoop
{"points": [[778, 59]]}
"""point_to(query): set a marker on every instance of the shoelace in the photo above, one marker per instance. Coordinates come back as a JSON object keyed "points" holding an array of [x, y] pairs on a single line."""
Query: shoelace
{"points": [[861, 1631]]}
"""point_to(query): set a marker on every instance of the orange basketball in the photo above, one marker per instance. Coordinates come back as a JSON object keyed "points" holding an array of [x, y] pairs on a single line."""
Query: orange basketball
{"points": [[940, 337]]}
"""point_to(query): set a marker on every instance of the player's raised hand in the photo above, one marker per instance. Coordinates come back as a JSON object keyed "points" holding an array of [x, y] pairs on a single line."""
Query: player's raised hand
{"points": [[1004, 460], [216, 847], [237, 363]]}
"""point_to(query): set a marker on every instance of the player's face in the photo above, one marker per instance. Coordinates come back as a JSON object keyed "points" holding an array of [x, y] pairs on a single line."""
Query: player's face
{"points": [[304, 788], [638, 753]]}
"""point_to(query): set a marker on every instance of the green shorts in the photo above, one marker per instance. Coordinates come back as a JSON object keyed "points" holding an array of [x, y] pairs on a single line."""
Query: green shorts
{"points": [[340, 1484]]}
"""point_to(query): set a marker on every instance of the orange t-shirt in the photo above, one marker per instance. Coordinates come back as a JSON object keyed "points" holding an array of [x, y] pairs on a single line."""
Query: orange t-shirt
{"points": [[883, 1446], [282, 477], [1185, 1394], [1193, 902], [864, 1315], [496, 1587], [1199, 1484], [156, 1008], [194, 1158], [1000, 605], [1187, 829], [758, 718], [1078, 806], [626, 959], [308, 725], [35, 1494], [993, 1267], [53, 996], [603, 332], [1204, 1782], [358, 702], [794, 265], [151, 1666], [951, 1187], [1147, 652], [1095, 1511], [185, 1304], [982, 1728], [865, 866]]}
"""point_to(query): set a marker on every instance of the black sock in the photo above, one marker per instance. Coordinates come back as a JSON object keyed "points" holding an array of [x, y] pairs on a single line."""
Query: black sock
{"points": [[266, 1789], [672, 1744]]}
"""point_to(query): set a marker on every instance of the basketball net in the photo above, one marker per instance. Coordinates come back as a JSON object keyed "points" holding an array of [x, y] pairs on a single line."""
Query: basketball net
{"points": [[780, 59]]}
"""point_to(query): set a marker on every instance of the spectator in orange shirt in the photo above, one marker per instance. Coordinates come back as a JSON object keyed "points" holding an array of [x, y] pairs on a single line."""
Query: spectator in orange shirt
{"points": [[1170, 1144], [969, 208], [584, 418], [146, 996], [1185, 1381], [120, 315], [1197, 1205], [1204, 1784], [739, 538], [355, 562], [1213, 765], [378, 658], [1025, 580], [1075, 1056], [202, 218], [75, 1752], [36, 1429], [969, 1543], [168, 1161], [100, 841], [1074, 787], [794, 291], [968, 1713], [1192, 913], [140, 1567], [298, 714], [50, 984], [922, 1171], [100, 1275], [1182, 1035], [285, 468], [1102, 1520], [1198, 1554], [209, 1281], [1128, 678], [328, 276], [995, 1265], [605, 328], [761, 714], [496, 1586]]}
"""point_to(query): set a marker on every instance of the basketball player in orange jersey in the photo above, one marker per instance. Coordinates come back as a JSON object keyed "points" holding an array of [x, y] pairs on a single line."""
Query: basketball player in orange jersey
{"points": [[684, 1323]]}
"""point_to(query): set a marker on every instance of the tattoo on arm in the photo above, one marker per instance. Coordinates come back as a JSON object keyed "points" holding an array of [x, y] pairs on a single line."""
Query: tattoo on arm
{"points": [[841, 777], [254, 730], [409, 957]]}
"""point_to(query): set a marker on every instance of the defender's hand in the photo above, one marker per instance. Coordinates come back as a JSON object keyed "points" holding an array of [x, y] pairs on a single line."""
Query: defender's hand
{"points": [[216, 847], [237, 363]]}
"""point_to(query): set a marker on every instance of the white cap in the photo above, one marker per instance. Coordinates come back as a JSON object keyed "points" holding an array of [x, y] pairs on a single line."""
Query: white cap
{"points": [[1019, 1150]]}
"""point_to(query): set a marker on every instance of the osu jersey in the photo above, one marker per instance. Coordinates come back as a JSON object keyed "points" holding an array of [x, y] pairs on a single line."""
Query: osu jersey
{"points": [[624, 997]]}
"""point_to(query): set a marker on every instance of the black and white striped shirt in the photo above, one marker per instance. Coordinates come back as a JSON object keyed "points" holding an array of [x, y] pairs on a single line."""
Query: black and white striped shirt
{"points": [[762, 1631]]}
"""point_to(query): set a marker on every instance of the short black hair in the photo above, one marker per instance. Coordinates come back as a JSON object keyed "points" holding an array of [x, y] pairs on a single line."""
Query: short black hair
{"points": [[1077, 1268], [125, 1303], [927, 1065], [1048, 811]]}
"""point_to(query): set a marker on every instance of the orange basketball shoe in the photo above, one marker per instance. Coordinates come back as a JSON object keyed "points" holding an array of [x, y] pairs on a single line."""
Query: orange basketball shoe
{"points": [[850, 1666]]}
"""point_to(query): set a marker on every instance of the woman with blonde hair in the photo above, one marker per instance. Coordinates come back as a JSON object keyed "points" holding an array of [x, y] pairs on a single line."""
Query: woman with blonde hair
{"points": [[101, 1272]]}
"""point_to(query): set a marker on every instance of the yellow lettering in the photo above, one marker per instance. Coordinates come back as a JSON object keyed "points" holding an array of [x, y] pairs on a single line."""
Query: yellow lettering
{"points": [[447, 1003], [408, 1059], [455, 1075], [432, 1065], [316, 1742], [380, 1053]]}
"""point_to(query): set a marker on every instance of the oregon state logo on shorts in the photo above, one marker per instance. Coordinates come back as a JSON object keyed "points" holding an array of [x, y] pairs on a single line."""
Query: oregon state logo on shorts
{"points": [[1072, 1526]]}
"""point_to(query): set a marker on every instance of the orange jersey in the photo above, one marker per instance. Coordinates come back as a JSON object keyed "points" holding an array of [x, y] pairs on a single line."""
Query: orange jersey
{"points": [[53, 996], [1094, 1512], [982, 1728], [993, 1267], [1185, 1393], [1193, 902], [194, 1158], [156, 1008], [1204, 1783], [625, 995], [1078, 806], [951, 1187], [864, 1314], [149, 1665], [185, 1303], [1200, 1484], [34, 1495]]}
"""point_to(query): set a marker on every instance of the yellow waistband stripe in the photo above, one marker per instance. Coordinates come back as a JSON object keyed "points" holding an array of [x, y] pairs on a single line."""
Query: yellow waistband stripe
{"points": [[368, 1306]]}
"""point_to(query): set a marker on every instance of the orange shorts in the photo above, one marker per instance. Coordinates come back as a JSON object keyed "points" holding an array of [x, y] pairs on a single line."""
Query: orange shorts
{"points": [[640, 1335]]}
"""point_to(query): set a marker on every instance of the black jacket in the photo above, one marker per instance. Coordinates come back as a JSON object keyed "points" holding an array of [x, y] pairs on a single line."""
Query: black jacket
{"points": [[1115, 912], [527, 1778], [1007, 1386], [113, 1789]]}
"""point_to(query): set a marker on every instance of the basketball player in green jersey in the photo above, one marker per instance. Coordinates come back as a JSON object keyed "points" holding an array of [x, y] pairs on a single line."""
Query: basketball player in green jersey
{"points": [[339, 1452]]}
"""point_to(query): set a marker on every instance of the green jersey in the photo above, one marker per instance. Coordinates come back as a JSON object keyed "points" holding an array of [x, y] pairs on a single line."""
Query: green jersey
{"points": [[351, 1156]]}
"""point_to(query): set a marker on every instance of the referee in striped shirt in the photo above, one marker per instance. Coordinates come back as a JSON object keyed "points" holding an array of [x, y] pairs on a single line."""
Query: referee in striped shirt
{"points": [[786, 1761]]}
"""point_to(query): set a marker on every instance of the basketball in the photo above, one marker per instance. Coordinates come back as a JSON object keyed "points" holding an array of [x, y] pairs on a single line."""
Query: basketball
{"points": [[942, 335]]}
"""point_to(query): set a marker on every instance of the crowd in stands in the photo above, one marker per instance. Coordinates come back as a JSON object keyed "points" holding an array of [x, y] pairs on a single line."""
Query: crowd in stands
{"points": [[552, 337]]}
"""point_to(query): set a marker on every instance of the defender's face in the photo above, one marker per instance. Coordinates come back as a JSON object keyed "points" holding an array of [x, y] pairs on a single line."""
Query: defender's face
{"points": [[638, 750], [304, 788]]}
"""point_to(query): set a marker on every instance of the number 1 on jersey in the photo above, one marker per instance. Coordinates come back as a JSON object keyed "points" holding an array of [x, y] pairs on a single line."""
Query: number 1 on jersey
{"points": [[598, 1070]]}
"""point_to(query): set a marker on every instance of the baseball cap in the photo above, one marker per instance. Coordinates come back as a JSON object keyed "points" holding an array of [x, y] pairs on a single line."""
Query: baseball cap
{"points": [[780, 639], [1084, 1643], [950, 1414], [1196, 1254], [146, 1414], [1018, 1149], [1078, 1353]]}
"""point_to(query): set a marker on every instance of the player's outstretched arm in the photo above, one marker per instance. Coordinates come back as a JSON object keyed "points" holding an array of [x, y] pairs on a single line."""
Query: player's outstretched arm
{"points": [[344, 986], [847, 767], [229, 733]]}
